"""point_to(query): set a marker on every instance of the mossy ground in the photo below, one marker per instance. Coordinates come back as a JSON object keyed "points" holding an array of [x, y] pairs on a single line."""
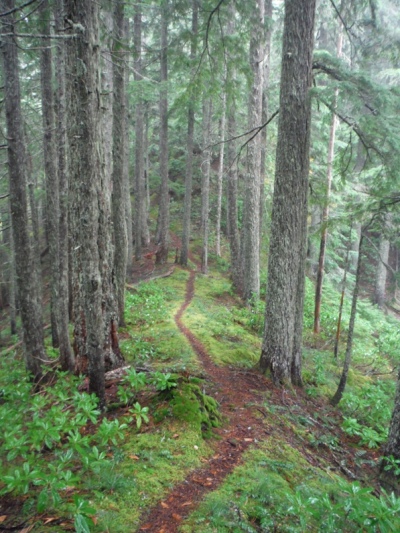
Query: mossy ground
{"points": [[150, 464], [273, 478], [212, 318]]}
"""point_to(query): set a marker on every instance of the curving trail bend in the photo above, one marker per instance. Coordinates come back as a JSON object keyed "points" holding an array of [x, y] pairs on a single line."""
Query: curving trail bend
{"points": [[234, 390]]}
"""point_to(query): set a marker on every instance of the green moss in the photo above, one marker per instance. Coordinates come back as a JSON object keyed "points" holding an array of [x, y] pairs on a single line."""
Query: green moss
{"points": [[275, 489], [199, 410], [150, 465]]}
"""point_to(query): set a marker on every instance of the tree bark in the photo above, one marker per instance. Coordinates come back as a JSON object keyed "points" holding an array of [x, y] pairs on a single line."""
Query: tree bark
{"points": [[90, 197], [162, 253], [187, 208], [232, 175], [30, 305], [381, 269], [264, 113], [285, 288], [388, 478], [220, 175], [142, 236], [118, 178], [50, 166], [205, 183], [251, 222], [325, 210], [67, 360]]}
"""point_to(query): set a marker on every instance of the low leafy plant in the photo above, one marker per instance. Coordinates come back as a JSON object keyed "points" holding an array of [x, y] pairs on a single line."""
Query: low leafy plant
{"points": [[163, 382], [45, 442], [391, 463], [140, 414], [132, 383]]}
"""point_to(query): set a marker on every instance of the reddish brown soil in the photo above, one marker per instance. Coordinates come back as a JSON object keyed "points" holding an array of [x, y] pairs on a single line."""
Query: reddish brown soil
{"points": [[241, 395]]}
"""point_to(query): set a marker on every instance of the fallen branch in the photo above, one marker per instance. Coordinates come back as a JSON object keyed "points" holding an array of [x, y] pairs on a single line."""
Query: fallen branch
{"points": [[164, 275]]}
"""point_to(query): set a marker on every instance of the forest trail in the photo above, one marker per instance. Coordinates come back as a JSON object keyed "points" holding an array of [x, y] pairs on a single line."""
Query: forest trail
{"points": [[242, 395], [237, 392]]}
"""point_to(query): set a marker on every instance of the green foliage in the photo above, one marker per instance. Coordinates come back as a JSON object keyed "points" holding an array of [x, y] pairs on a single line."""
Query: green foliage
{"points": [[163, 382], [146, 306], [264, 494], [83, 513], [44, 443], [140, 414]]}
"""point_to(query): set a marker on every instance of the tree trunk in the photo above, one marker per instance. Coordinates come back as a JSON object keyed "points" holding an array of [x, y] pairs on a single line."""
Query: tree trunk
{"points": [[264, 113], [220, 175], [67, 360], [232, 175], [283, 325], [205, 183], [90, 199], [339, 321], [251, 227], [50, 166], [127, 181], [30, 305], [187, 208], [13, 286], [118, 178], [343, 380], [162, 253], [381, 269], [388, 478], [142, 236], [325, 211]]}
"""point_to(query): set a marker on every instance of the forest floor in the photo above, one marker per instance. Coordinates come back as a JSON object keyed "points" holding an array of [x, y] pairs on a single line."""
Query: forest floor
{"points": [[254, 414], [241, 395]]}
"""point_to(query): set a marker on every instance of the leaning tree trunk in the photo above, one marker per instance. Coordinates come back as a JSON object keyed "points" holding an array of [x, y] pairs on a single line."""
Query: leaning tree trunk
{"points": [[30, 305], [187, 208], [118, 153], [162, 253], [251, 226], [347, 360], [67, 360], [50, 162], [285, 288]]}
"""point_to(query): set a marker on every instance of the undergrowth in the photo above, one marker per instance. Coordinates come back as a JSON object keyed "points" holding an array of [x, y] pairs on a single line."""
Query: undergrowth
{"points": [[59, 456], [277, 490]]}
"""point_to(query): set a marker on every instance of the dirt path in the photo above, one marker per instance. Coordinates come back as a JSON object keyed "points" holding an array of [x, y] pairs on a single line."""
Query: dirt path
{"points": [[234, 390], [240, 395]]}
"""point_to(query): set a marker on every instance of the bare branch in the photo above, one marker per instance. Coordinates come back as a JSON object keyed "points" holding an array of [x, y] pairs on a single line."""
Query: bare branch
{"points": [[38, 36], [5, 13], [257, 130]]}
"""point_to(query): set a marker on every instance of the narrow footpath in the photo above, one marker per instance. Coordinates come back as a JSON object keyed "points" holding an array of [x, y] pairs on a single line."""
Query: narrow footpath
{"points": [[241, 396], [237, 392]]}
